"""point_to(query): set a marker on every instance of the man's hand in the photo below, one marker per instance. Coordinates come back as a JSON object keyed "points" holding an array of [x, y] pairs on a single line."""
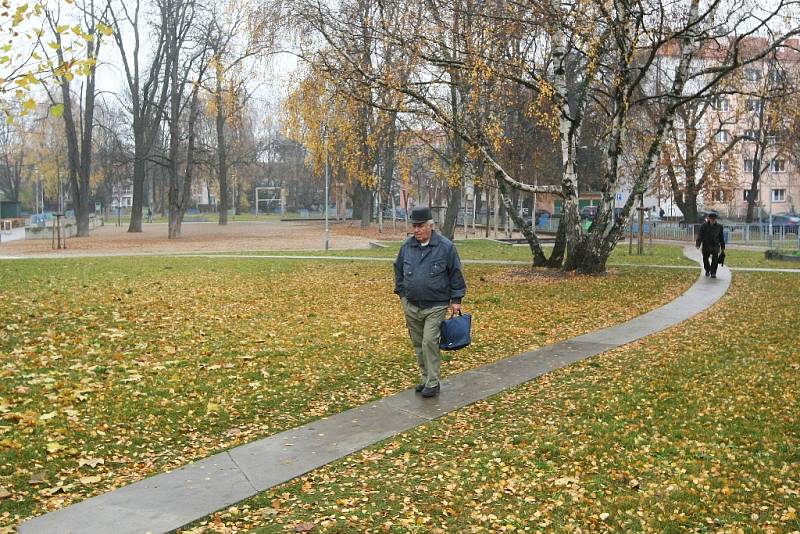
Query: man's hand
{"points": [[455, 308]]}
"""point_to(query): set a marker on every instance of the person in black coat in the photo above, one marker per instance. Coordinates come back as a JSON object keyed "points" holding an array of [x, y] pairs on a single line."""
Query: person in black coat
{"points": [[712, 239]]}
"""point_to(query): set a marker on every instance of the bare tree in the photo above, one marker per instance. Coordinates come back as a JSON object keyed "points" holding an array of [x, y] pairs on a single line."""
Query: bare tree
{"points": [[698, 151], [113, 157], [237, 47], [12, 159], [147, 89], [186, 61]]}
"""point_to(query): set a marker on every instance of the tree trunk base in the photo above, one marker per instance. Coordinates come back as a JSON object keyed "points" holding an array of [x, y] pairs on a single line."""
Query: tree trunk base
{"points": [[587, 259]]}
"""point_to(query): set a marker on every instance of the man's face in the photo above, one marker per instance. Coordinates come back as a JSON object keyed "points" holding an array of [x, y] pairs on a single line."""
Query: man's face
{"points": [[422, 231], [712, 220]]}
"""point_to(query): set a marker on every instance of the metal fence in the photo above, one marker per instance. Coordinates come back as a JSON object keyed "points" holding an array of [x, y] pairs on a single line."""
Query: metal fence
{"points": [[782, 236], [757, 234]]}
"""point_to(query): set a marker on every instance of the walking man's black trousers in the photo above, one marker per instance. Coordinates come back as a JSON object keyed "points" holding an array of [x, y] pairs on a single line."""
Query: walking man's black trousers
{"points": [[710, 260]]}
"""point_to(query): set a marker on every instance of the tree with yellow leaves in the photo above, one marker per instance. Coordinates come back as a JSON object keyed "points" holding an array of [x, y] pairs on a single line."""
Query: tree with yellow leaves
{"points": [[337, 128], [25, 65], [90, 33]]}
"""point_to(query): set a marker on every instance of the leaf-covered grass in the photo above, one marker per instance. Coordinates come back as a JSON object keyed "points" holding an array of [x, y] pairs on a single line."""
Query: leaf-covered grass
{"points": [[116, 368], [694, 429]]}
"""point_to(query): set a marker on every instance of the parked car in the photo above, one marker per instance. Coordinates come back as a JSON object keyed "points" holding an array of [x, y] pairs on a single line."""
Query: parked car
{"points": [[399, 213], [789, 223], [539, 214], [588, 212]]}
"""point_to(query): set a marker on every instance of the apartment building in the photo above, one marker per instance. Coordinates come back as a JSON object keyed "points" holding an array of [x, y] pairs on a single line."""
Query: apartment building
{"points": [[761, 126], [748, 129]]}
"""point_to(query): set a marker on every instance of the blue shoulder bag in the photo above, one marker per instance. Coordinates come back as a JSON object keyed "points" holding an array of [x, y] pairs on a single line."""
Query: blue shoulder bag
{"points": [[456, 332]]}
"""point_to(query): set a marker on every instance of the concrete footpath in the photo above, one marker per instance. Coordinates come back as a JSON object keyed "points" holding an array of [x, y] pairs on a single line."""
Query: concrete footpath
{"points": [[165, 502]]}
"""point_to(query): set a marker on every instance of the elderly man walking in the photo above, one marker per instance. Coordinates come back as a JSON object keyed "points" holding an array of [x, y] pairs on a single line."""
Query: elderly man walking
{"points": [[712, 238], [429, 280]]}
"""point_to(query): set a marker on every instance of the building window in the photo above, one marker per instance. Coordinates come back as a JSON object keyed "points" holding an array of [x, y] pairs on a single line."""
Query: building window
{"points": [[748, 165], [777, 165], [752, 75], [721, 103], [746, 195], [723, 136], [722, 166], [754, 105], [751, 135], [776, 76], [779, 195], [719, 195]]}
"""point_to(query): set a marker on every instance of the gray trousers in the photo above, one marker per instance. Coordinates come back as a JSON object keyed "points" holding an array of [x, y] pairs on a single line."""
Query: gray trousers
{"points": [[423, 328]]}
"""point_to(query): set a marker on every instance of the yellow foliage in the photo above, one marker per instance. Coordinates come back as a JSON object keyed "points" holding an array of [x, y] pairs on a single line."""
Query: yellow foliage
{"points": [[454, 176], [332, 126], [545, 109]]}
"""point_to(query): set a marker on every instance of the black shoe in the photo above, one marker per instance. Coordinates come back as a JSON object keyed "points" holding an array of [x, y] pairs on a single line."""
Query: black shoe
{"points": [[419, 388], [708, 273], [430, 392], [713, 276]]}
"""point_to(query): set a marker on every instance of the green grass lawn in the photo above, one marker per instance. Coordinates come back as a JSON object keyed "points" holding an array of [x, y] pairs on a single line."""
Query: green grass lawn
{"points": [[476, 249], [694, 429], [752, 258], [486, 249], [658, 254], [112, 369]]}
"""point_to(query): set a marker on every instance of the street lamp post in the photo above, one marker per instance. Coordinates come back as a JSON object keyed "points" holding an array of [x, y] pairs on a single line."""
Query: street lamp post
{"points": [[327, 192]]}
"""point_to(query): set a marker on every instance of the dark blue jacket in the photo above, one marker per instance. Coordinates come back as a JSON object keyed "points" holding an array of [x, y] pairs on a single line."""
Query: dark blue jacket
{"points": [[430, 275]]}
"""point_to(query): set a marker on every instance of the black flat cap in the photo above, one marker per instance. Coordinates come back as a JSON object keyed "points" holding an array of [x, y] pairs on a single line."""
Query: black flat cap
{"points": [[421, 214]]}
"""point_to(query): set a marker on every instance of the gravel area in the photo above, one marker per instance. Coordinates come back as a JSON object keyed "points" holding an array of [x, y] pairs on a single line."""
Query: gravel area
{"points": [[206, 237]]}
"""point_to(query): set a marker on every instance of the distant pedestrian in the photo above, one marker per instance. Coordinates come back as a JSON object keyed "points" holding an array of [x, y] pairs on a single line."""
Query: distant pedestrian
{"points": [[712, 239], [149, 214], [661, 213], [428, 278]]}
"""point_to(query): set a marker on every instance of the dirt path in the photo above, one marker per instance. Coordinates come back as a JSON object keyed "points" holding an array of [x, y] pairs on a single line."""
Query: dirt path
{"points": [[207, 237]]}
